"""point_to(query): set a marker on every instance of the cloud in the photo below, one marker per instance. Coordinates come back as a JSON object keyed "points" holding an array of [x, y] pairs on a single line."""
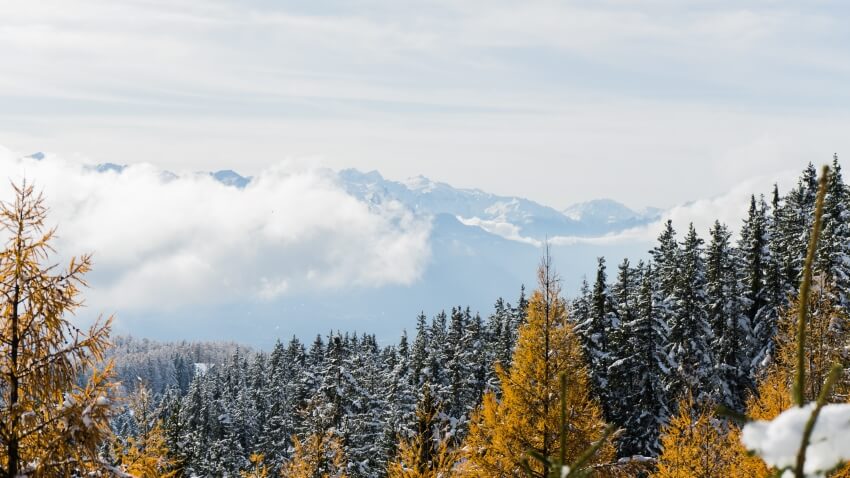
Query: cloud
{"points": [[602, 96], [729, 208], [161, 242], [500, 227]]}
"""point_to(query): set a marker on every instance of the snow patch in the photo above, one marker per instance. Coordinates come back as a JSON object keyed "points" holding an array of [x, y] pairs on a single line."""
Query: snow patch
{"points": [[778, 441]]}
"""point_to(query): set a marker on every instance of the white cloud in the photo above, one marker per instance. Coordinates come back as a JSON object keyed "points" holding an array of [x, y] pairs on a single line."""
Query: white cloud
{"points": [[603, 96], [500, 227], [729, 208], [191, 240]]}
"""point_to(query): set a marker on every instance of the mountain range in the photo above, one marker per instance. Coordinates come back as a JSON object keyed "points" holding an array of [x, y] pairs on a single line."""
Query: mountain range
{"points": [[483, 246]]}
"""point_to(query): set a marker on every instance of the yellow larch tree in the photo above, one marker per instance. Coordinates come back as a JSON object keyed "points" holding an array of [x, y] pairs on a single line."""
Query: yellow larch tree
{"points": [[145, 455], [427, 454], [689, 443], [50, 424], [695, 445], [825, 345], [258, 467], [319, 456], [527, 415]]}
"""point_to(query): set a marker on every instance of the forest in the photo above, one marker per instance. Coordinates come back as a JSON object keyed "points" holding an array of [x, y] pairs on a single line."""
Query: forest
{"points": [[652, 370]]}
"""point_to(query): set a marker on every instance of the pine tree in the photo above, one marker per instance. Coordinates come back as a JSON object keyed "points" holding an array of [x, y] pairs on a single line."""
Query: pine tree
{"points": [[621, 352], [401, 409], [366, 406], [759, 281], [52, 420], [833, 257], [793, 220], [690, 333], [526, 417], [173, 429], [419, 353], [596, 334], [730, 325], [499, 344], [456, 370], [436, 374], [666, 257], [643, 395]]}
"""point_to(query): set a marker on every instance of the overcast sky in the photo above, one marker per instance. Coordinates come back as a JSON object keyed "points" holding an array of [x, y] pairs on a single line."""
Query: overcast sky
{"points": [[650, 103]]}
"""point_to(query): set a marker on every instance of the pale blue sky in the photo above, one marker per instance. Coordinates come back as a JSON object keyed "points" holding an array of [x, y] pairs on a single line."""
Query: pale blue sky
{"points": [[556, 101]]}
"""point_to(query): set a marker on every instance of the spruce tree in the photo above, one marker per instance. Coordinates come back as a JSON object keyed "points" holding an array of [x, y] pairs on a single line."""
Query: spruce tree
{"points": [[690, 333], [730, 324]]}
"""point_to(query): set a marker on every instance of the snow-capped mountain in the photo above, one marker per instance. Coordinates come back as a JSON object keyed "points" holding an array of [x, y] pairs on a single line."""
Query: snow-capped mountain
{"points": [[509, 217], [506, 216], [482, 246]]}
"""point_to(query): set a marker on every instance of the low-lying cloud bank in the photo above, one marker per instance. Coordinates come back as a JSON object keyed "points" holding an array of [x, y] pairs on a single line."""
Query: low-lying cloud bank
{"points": [[166, 241], [729, 208]]}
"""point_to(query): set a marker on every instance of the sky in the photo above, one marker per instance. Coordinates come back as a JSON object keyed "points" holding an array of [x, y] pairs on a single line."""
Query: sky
{"points": [[689, 106], [648, 102], [294, 252]]}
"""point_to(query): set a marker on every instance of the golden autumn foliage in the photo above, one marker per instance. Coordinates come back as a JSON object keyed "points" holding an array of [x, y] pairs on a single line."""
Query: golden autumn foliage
{"points": [[811, 345], [826, 342], [826, 336], [689, 436], [526, 417], [258, 467], [50, 426], [696, 445], [319, 456], [427, 454], [146, 455], [410, 462]]}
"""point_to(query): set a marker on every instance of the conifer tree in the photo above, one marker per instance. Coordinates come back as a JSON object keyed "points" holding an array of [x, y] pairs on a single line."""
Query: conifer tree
{"points": [[729, 322], [526, 417], [52, 421], [427, 454], [695, 445], [666, 257], [258, 468], [499, 344], [419, 352], [833, 257], [319, 456], [401, 408], [643, 397], [758, 279], [597, 334], [793, 220], [690, 333], [621, 354], [146, 455]]}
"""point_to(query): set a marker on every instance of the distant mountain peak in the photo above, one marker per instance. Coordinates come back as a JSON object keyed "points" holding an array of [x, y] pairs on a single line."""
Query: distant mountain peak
{"points": [[229, 177], [420, 183], [606, 210], [509, 217], [110, 167]]}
